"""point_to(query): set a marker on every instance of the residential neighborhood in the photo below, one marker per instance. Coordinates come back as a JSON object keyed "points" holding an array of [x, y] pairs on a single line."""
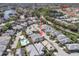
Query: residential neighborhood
{"points": [[39, 29]]}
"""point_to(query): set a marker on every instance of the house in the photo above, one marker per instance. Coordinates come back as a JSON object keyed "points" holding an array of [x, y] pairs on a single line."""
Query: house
{"points": [[63, 39], [40, 48], [55, 14], [10, 32], [9, 13], [48, 45], [35, 21], [21, 21], [32, 50], [24, 24], [33, 18], [32, 27], [2, 49], [73, 47], [29, 32], [56, 33], [47, 28], [22, 17], [17, 27], [9, 51], [4, 41], [29, 22], [5, 34], [36, 37]]}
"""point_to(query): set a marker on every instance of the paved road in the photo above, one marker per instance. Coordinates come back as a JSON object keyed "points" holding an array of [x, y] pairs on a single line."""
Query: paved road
{"points": [[61, 52]]}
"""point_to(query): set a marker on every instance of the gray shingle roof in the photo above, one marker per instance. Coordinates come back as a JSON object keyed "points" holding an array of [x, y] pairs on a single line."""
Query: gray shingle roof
{"points": [[31, 50], [73, 46], [11, 32], [2, 49], [39, 47], [63, 39], [23, 24], [17, 27], [4, 40], [36, 37], [29, 22], [7, 14], [48, 45], [47, 28], [56, 33], [5, 34]]}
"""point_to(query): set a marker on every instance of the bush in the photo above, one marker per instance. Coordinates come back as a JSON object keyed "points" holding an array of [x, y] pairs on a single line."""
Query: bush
{"points": [[12, 18], [71, 36], [7, 26]]}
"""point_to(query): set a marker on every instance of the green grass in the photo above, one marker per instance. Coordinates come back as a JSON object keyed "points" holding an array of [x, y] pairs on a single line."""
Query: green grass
{"points": [[71, 36], [18, 45], [7, 26], [26, 53]]}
